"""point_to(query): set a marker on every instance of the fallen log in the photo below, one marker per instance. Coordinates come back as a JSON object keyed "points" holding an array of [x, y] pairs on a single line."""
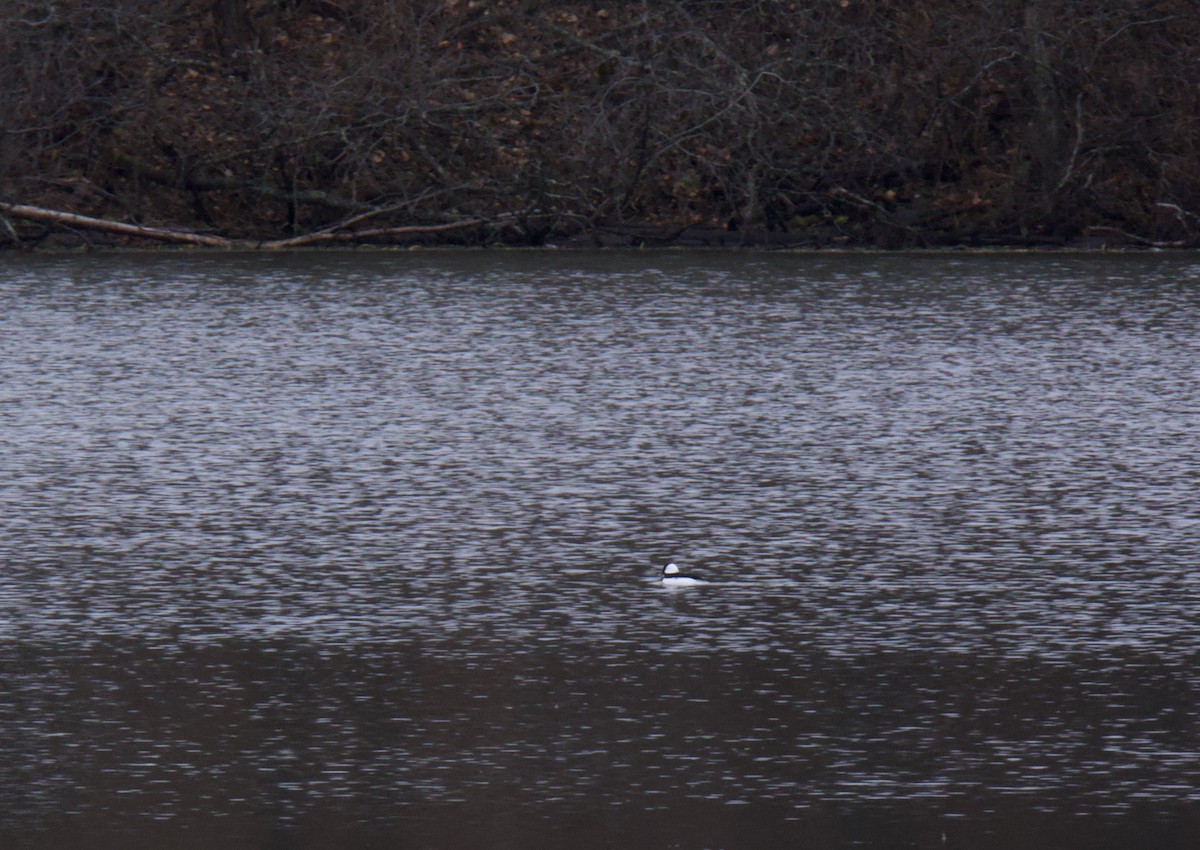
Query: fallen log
{"points": [[144, 231], [336, 233]]}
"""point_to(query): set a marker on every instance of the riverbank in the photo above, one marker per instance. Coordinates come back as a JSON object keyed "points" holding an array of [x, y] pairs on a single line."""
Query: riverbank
{"points": [[255, 123], [49, 230]]}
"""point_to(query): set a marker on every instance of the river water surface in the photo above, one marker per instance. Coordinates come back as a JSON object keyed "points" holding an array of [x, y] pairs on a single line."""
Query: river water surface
{"points": [[341, 550]]}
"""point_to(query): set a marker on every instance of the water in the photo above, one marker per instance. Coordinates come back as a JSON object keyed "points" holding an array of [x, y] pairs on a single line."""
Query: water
{"points": [[360, 549]]}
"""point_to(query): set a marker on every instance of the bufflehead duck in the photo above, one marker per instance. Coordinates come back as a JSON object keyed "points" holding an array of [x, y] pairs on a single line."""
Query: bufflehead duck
{"points": [[671, 577]]}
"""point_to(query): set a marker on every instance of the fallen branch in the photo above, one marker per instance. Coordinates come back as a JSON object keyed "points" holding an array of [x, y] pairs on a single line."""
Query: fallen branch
{"points": [[161, 233], [860, 201], [335, 233], [370, 233]]}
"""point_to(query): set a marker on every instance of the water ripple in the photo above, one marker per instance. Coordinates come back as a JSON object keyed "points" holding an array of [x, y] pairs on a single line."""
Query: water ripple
{"points": [[363, 528]]}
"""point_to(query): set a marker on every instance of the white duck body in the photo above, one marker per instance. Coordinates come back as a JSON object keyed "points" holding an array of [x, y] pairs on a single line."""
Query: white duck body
{"points": [[672, 577]]}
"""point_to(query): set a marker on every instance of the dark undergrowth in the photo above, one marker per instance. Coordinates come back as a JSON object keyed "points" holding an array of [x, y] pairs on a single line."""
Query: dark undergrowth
{"points": [[520, 122]]}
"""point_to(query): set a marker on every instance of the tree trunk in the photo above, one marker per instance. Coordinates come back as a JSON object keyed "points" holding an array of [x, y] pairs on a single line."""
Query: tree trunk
{"points": [[232, 27], [1046, 129]]}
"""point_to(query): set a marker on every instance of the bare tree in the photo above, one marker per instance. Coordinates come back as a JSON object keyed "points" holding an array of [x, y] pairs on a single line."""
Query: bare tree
{"points": [[299, 121]]}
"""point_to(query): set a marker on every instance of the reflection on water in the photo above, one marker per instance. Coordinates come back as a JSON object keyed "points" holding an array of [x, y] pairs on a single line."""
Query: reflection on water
{"points": [[364, 547]]}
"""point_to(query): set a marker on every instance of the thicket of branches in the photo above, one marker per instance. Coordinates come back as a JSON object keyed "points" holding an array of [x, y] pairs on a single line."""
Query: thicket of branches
{"points": [[816, 121]]}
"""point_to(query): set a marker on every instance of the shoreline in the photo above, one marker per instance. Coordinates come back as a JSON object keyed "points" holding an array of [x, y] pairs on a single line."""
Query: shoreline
{"points": [[27, 229], [629, 239], [676, 249]]}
